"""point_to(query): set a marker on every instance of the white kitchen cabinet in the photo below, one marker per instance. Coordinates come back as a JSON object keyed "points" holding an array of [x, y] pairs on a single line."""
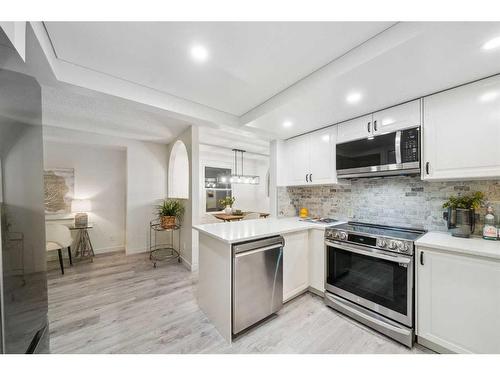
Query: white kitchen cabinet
{"points": [[311, 158], [358, 128], [458, 302], [461, 135], [402, 116], [295, 264], [317, 260], [298, 160]]}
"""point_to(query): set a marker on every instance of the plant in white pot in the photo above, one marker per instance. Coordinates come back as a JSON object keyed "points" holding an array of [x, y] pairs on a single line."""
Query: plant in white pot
{"points": [[170, 211], [227, 203]]}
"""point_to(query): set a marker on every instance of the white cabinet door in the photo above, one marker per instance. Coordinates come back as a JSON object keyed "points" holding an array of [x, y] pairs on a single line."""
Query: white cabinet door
{"points": [[458, 301], [317, 259], [402, 116], [355, 129], [322, 157], [295, 264], [462, 132], [298, 160]]}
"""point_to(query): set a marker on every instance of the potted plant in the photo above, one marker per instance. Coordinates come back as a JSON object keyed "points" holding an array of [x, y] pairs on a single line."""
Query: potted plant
{"points": [[460, 215], [227, 203], [170, 211]]}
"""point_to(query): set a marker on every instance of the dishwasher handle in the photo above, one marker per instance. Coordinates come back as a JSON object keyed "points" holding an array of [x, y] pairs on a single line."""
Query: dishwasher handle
{"points": [[259, 250]]}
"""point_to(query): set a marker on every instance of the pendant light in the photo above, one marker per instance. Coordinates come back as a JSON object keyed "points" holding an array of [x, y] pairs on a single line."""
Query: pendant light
{"points": [[239, 178]]}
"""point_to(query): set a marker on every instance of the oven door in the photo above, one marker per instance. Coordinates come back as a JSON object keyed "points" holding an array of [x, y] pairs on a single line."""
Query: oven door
{"points": [[377, 280]]}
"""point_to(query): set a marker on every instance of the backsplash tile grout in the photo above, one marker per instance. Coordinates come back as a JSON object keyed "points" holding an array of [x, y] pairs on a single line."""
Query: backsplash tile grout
{"points": [[401, 200]]}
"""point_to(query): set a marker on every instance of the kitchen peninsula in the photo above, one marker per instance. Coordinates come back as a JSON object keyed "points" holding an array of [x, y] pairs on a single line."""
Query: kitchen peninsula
{"points": [[303, 262]]}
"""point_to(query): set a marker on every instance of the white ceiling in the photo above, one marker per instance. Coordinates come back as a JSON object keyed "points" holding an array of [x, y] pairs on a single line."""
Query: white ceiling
{"points": [[408, 61], [85, 110], [262, 73], [249, 61], [229, 138]]}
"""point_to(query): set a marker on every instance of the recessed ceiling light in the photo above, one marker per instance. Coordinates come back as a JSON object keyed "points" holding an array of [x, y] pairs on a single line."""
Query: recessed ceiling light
{"points": [[353, 97], [492, 43], [287, 124], [199, 53], [489, 96]]}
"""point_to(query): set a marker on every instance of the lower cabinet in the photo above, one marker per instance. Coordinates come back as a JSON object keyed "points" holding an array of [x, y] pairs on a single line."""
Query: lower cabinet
{"points": [[458, 302], [295, 264], [317, 260]]}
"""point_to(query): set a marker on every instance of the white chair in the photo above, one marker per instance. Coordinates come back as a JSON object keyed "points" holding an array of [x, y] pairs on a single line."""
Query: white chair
{"points": [[251, 216], [209, 219], [57, 237]]}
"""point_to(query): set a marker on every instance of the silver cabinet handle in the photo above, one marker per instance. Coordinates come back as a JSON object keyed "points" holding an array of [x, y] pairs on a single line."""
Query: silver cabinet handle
{"points": [[310, 177], [306, 178], [375, 125], [369, 126], [427, 168], [246, 253]]}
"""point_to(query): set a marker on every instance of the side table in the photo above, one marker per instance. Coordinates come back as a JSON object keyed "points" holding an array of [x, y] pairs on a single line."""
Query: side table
{"points": [[163, 251], [83, 247]]}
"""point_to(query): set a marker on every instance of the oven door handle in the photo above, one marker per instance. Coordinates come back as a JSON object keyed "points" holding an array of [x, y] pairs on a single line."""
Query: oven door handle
{"points": [[373, 254]]}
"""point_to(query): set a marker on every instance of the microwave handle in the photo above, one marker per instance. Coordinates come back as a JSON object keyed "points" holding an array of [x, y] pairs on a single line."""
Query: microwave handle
{"points": [[398, 147]]}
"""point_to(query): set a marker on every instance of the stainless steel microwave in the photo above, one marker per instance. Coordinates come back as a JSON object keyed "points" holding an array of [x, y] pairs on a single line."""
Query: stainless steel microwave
{"points": [[388, 154]]}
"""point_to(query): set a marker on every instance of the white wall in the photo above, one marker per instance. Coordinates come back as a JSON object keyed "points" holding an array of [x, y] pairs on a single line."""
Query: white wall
{"points": [[189, 237], [248, 197], [100, 175], [146, 178]]}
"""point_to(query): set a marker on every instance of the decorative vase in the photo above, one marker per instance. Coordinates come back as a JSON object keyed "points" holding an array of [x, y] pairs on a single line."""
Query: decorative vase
{"points": [[168, 222], [228, 210]]}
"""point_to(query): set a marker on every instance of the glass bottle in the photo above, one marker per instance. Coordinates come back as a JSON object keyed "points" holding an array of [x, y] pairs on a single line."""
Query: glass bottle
{"points": [[490, 231]]}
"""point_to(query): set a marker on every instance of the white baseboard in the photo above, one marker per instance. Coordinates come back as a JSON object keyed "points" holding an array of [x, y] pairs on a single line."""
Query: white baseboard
{"points": [[111, 249]]}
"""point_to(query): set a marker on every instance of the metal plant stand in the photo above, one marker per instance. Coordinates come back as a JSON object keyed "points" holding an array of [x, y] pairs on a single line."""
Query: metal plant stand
{"points": [[84, 248], [159, 251]]}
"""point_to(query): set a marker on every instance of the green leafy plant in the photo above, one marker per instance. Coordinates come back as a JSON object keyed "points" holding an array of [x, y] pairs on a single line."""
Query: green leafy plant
{"points": [[469, 201], [171, 207], [228, 201]]}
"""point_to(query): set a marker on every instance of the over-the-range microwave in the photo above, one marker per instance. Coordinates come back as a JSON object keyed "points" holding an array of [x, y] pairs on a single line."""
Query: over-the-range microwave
{"points": [[394, 153]]}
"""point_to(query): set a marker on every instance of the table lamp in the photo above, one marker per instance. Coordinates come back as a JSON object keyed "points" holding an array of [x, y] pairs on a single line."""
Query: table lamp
{"points": [[80, 207]]}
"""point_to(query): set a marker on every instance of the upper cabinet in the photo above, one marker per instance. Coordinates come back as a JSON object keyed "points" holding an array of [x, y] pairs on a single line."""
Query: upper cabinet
{"points": [[361, 127], [311, 158], [461, 134], [402, 116]]}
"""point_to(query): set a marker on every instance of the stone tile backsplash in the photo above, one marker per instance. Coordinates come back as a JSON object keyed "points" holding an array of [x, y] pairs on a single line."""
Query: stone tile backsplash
{"points": [[402, 200]]}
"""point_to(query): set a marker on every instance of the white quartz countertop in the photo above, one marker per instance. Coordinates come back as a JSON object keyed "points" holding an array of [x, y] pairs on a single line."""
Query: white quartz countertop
{"points": [[244, 230], [470, 246]]}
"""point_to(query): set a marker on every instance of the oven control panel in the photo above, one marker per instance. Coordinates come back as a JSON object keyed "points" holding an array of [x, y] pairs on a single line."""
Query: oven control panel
{"points": [[398, 246], [383, 243]]}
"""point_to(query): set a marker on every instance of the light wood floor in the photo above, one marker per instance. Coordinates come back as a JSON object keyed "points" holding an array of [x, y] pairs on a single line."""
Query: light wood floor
{"points": [[120, 304]]}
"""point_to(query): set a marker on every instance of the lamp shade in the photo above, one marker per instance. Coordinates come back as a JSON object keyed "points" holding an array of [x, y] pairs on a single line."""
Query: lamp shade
{"points": [[80, 205]]}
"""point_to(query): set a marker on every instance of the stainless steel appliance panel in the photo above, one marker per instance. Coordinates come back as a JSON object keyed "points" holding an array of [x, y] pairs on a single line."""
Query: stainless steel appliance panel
{"points": [[386, 154], [257, 281]]}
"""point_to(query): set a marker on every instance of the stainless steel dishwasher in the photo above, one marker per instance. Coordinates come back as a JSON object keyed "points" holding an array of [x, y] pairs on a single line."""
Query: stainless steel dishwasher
{"points": [[257, 281]]}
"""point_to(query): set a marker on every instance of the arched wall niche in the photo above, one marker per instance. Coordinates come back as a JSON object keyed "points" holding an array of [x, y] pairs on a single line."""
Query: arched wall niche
{"points": [[178, 172]]}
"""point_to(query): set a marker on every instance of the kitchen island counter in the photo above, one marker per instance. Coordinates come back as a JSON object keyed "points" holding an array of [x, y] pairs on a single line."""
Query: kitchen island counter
{"points": [[245, 230]]}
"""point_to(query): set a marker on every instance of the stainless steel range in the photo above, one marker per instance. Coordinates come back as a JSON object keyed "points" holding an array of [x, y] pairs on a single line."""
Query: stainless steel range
{"points": [[370, 276]]}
